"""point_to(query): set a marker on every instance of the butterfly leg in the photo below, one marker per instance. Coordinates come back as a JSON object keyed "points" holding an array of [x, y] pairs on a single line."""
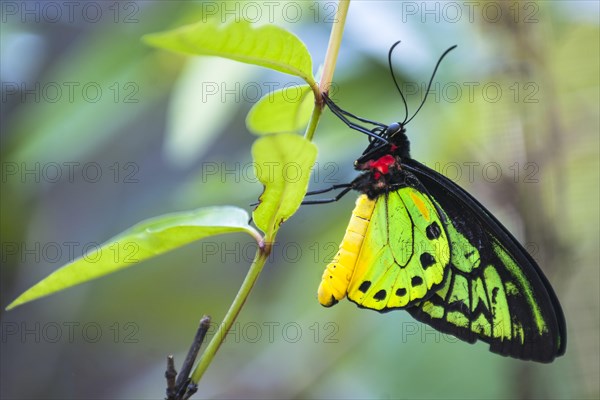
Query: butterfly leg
{"points": [[347, 186], [329, 189], [331, 200]]}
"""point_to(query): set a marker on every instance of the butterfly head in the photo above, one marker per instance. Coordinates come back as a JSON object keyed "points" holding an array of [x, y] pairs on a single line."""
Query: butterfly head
{"points": [[393, 142], [398, 145]]}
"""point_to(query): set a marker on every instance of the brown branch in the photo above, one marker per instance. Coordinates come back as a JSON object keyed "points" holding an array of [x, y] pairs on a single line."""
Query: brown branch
{"points": [[178, 385], [171, 374]]}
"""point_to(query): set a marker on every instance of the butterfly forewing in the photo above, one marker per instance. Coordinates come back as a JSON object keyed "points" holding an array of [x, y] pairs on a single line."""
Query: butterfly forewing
{"points": [[494, 291]]}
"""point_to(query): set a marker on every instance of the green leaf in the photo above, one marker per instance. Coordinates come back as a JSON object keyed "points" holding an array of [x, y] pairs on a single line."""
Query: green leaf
{"points": [[268, 46], [145, 240], [283, 164], [284, 110]]}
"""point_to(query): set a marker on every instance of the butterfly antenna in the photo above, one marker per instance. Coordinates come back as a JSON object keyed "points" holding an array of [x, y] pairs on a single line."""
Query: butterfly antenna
{"points": [[395, 81], [430, 82]]}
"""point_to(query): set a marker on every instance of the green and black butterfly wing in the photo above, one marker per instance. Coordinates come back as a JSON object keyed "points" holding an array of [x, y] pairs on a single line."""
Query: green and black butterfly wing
{"points": [[494, 291]]}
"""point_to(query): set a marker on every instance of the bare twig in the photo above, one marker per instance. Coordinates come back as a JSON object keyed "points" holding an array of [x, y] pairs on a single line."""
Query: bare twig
{"points": [[171, 374], [179, 386]]}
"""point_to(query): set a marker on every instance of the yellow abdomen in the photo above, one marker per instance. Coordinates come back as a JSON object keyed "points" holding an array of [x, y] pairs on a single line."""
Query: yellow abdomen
{"points": [[337, 274]]}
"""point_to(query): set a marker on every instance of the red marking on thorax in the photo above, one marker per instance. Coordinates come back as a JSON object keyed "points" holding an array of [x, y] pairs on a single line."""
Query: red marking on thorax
{"points": [[382, 164]]}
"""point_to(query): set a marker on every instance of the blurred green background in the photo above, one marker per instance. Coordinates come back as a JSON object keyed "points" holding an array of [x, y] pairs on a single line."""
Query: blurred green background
{"points": [[100, 132]]}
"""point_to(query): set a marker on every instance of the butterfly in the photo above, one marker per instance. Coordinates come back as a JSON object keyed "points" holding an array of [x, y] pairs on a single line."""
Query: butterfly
{"points": [[417, 241]]}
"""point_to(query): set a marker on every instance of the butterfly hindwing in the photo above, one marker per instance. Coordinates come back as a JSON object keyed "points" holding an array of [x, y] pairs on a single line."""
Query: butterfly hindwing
{"points": [[494, 291], [404, 254], [395, 252]]}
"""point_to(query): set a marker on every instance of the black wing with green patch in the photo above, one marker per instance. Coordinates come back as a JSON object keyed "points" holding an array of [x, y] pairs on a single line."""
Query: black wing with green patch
{"points": [[495, 291]]}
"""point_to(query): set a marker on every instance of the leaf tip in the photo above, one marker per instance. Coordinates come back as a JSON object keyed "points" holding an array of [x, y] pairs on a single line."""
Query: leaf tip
{"points": [[15, 303], [149, 39]]}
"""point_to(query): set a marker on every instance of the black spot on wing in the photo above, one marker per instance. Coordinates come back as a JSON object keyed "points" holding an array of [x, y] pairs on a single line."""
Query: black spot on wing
{"points": [[364, 286], [427, 260], [494, 294], [401, 292], [380, 295], [416, 281], [433, 231]]}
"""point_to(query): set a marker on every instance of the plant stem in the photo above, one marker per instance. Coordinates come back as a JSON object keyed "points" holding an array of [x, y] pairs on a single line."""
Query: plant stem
{"points": [[335, 40], [257, 265], [314, 121], [262, 254]]}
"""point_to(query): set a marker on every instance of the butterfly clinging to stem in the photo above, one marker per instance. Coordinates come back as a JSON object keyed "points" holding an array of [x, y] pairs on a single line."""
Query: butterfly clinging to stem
{"points": [[418, 241]]}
